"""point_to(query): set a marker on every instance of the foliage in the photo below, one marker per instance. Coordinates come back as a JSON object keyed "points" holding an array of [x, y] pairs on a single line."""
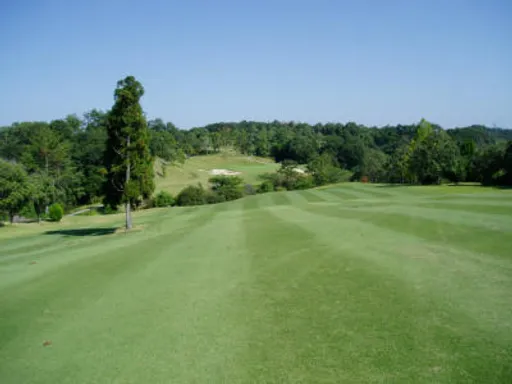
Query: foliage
{"points": [[266, 186], [325, 170], [212, 197], [128, 160], [55, 212], [14, 188], [163, 199], [163, 143], [229, 187], [492, 165], [108, 210], [191, 195], [433, 157], [42, 192]]}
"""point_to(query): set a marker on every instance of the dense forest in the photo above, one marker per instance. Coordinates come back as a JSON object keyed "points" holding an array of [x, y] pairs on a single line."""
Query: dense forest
{"points": [[64, 160]]}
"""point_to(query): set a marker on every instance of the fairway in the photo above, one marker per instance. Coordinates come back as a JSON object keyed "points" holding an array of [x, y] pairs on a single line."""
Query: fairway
{"points": [[351, 283]]}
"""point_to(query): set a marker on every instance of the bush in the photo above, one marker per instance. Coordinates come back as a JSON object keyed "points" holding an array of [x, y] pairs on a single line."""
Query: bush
{"points": [[325, 170], [28, 211], [266, 186], [56, 212], [109, 210], [304, 182], [214, 198], [230, 187], [163, 199], [191, 195], [281, 189]]}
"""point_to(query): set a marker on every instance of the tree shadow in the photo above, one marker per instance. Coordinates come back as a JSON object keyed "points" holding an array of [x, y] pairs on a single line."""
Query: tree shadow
{"points": [[83, 232]]}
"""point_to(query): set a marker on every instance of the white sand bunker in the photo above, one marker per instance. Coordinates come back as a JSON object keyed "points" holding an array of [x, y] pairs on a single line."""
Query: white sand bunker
{"points": [[223, 172]]}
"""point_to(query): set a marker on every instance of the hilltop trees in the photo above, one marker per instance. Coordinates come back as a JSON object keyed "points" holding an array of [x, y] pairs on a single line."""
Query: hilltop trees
{"points": [[128, 160]]}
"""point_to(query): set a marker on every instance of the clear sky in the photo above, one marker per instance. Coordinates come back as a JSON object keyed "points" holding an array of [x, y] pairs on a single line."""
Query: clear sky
{"points": [[374, 62]]}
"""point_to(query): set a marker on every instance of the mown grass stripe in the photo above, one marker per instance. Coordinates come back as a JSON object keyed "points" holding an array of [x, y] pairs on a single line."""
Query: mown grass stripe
{"points": [[358, 193], [352, 253], [369, 189], [487, 221], [475, 207], [341, 194], [312, 197], [280, 198], [296, 197], [465, 236]]}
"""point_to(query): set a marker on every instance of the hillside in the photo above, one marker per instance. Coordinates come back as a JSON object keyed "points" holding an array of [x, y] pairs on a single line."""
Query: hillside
{"points": [[353, 283], [199, 169]]}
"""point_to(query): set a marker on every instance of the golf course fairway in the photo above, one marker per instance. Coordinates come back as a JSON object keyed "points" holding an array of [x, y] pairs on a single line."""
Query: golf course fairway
{"points": [[348, 284]]}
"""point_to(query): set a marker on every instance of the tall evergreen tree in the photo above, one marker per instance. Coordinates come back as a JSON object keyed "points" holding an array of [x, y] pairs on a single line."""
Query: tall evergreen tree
{"points": [[127, 157]]}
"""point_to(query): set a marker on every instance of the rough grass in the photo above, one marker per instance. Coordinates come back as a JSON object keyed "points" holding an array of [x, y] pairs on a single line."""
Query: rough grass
{"points": [[354, 283], [196, 170]]}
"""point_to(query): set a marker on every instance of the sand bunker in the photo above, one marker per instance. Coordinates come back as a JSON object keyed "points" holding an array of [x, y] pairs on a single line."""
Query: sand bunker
{"points": [[223, 172]]}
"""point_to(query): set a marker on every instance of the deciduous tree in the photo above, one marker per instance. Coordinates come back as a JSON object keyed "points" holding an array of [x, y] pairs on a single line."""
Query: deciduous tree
{"points": [[14, 188]]}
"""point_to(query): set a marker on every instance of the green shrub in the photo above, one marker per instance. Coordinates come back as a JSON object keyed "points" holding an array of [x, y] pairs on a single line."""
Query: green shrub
{"points": [[230, 187], [325, 170], [191, 195], [28, 211], [56, 212], [281, 189], [304, 182], [266, 186], [214, 198], [109, 210], [163, 199]]}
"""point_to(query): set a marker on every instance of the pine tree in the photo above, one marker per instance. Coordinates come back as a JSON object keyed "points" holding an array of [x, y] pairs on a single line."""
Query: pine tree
{"points": [[127, 157]]}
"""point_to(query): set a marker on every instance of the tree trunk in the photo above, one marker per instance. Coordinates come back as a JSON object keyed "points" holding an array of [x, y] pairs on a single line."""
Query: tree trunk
{"points": [[128, 208], [47, 167], [128, 215]]}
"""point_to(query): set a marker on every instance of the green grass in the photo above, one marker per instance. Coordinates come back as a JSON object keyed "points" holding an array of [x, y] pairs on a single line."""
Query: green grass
{"points": [[196, 170], [353, 283]]}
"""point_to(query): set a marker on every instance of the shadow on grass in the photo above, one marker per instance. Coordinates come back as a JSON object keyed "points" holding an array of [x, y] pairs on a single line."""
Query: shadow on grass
{"points": [[83, 232]]}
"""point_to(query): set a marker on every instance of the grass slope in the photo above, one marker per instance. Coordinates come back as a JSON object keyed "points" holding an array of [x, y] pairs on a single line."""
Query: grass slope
{"points": [[347, 284], [196, 170]]}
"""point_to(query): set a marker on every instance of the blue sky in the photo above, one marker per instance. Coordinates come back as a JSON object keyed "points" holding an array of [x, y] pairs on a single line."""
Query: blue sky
{"points": [[373, 62]]}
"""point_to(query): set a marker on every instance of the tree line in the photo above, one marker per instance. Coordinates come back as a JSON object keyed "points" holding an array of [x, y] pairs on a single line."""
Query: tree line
{"points": [[82, 160]]}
